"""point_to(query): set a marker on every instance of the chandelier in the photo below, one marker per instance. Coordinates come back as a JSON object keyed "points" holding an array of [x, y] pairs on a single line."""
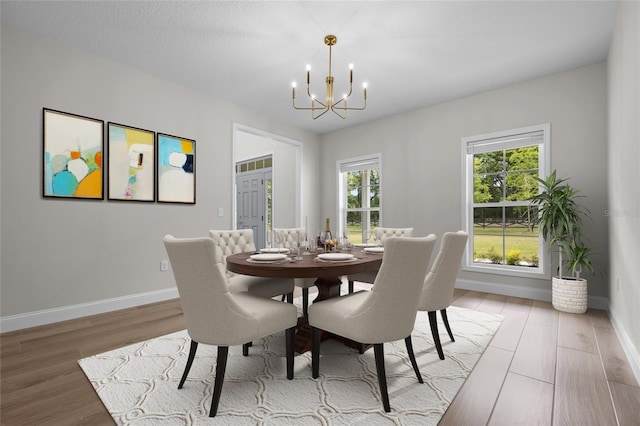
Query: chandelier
{"points": [[339, 106]]}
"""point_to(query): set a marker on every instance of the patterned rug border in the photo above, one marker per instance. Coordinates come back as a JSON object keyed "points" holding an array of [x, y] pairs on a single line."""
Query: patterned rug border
{"points": [[138, 383]]}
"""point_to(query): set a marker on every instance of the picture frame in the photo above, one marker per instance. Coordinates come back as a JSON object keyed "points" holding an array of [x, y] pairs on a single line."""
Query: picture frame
{"points": [[72, 147], [131, 165], [176, 169]]}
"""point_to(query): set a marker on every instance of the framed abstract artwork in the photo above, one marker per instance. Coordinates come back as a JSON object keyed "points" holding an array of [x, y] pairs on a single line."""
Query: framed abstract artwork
{"points": [[72, 155], [176, 169], [131, 165]]}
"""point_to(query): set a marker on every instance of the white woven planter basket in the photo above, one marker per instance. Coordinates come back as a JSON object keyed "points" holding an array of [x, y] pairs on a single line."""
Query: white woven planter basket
{"points": [[569, 295]]}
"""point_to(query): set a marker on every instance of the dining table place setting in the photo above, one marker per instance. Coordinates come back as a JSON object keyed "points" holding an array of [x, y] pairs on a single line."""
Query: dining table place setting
{"points": [[275, 250], [374, 249], [335, 257], [268, 257]]}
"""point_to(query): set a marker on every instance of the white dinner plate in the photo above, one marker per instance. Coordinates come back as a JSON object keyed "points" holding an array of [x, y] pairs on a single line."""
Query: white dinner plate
{"points": [[274, 250], [374, 249], [362, 245], [268, 257], [335, 256]]}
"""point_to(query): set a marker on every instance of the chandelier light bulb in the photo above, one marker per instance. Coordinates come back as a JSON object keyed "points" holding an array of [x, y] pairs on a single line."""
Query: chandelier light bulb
{"points": [[294, 85]]}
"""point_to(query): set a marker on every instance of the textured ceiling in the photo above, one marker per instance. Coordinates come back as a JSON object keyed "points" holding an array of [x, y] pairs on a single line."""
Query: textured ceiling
{"points": [[411, 54]]}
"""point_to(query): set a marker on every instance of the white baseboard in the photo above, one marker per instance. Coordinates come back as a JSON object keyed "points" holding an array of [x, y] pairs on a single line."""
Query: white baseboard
{"points": [[595, 302], [48, 316], [627, 346]]}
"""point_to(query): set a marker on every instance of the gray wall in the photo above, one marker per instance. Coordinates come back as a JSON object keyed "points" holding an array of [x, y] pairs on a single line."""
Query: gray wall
{"points": [[422, 161], [76, 253], [624, 178]]}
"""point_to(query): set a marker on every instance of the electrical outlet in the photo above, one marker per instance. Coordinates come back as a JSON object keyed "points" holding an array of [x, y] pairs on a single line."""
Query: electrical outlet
{"points": [[164, 265], [220, 212]]}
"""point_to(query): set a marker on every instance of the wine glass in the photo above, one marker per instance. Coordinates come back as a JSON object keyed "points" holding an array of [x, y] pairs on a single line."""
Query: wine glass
{"points": [[280, 240], [367, 236], [305, 244], [269, 240], [296, 244]]}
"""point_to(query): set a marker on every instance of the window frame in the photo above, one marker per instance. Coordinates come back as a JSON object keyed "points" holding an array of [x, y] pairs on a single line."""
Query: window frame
{"points": [[351, 164], [506, 139]]}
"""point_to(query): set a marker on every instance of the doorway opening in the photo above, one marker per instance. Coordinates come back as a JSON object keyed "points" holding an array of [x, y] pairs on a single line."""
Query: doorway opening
{"points": [[270, 183]]}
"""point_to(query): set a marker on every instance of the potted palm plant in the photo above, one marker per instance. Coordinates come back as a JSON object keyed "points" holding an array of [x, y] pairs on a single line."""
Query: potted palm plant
{"points": [[560, 223]]}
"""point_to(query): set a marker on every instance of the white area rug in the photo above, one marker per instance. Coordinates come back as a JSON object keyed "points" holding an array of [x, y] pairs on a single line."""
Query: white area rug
{"points": [[138, 384]]}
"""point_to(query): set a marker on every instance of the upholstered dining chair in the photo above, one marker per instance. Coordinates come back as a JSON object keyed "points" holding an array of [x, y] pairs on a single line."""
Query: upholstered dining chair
{"points": [[385, 314], [288, 236], [241, 241], [437, 291], [381, 234], [216, 316]]}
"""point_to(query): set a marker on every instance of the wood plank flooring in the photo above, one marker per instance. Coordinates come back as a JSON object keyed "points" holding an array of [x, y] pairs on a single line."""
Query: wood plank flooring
{"points": [[543, 367]]}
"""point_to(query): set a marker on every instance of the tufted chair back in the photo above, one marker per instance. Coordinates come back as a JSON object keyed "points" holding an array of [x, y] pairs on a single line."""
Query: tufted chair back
{"points": [[232, 242], [290, 235], [384, 233]]}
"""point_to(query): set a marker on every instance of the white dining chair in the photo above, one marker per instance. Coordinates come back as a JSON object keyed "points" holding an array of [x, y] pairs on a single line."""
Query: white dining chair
{"points": [[241, 241], [381, 234], [217, 316], [437, 291], [385, 314], [289, 238]]}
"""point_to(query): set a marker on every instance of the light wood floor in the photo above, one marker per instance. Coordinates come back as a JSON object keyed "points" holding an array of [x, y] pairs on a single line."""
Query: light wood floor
{"points": [[542, 367]]}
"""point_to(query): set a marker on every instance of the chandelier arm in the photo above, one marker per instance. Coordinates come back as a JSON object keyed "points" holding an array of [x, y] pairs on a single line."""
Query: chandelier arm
{"points": [[335, 111], [321, 114]]}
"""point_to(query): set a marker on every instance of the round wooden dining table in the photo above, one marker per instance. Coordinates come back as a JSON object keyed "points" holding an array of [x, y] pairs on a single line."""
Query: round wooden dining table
{"points": [[328, 275]]}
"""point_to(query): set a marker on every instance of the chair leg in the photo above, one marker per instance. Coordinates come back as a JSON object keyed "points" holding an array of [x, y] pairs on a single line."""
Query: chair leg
{"points": [[382, 375], [412, 357], [284, 297], [315, 352], [245, 349], [305, 302], [433, 322], [192, 355], [445, 320], [221, 366], [289, 337], [350, 286], [290, 297]]}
